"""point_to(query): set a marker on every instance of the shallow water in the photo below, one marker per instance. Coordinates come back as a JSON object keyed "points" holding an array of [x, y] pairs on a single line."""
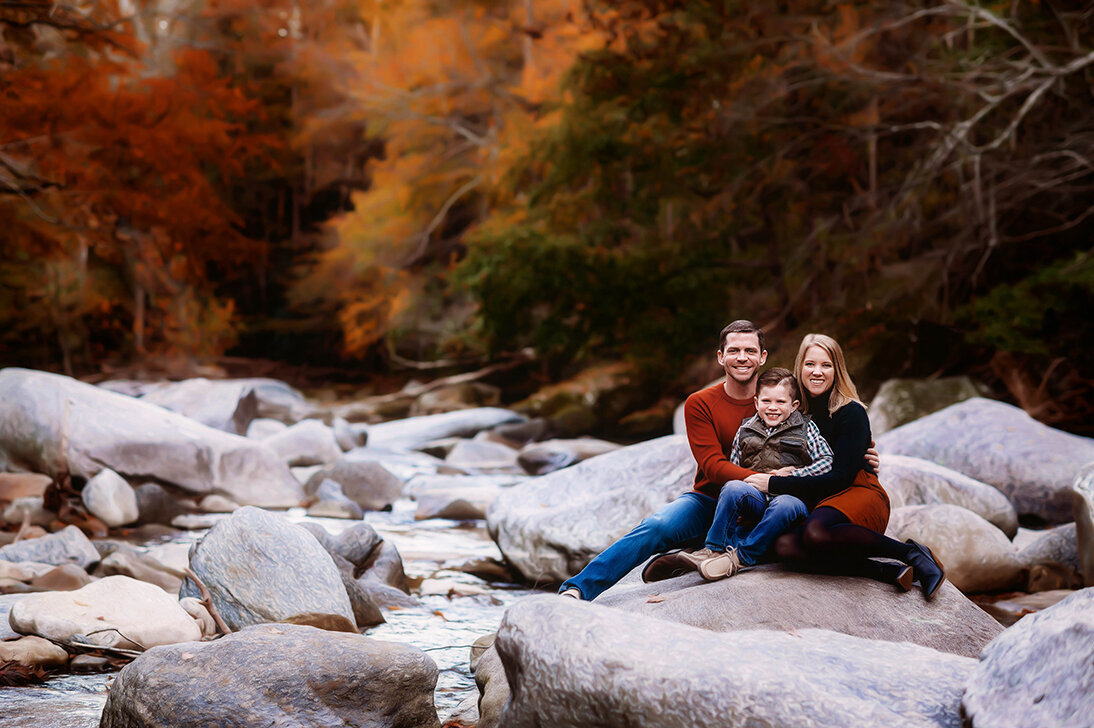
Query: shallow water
{"points": [[443, 627]]}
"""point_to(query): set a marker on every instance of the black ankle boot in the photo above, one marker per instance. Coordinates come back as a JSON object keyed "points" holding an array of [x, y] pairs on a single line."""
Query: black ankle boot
{"points": [[928, 570], [899, 575]]}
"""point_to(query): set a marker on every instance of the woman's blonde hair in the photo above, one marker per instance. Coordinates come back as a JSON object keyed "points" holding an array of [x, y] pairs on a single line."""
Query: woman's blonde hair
{"points": [[843, 389]]}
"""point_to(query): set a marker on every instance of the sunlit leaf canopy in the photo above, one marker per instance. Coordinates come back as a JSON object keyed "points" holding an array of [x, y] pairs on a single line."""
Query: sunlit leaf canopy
{"points": [[379, 181]]}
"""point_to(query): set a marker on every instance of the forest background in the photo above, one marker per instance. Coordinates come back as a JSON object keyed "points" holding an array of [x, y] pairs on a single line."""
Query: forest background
{"points": [[384, 189]]}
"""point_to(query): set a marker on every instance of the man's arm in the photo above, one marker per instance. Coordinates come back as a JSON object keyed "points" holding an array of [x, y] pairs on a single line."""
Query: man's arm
{"points": [[872, 458], [819, 451], [705, 446]]}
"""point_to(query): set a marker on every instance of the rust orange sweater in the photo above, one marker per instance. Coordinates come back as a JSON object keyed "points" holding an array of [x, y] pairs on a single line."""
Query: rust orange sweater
{"points": [[713, 418]]}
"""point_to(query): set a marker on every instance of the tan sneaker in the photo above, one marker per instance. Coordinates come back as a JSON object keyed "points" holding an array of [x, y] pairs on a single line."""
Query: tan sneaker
{"points": [[720, 566], [695, 558]]}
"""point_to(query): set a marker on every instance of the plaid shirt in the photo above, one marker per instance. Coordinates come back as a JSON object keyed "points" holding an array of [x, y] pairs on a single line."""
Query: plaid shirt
{"points": [[817, 446]]}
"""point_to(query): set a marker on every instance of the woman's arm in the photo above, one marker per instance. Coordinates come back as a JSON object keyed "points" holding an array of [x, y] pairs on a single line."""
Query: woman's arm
{"points": [[851, 429]]}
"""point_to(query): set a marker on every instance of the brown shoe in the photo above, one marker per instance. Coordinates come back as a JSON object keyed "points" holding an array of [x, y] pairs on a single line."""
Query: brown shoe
{"points": [[720, 566], [670, 565]]}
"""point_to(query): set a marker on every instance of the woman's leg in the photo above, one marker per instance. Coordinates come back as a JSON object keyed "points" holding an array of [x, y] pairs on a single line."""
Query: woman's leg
{"points": [[680, 523]]}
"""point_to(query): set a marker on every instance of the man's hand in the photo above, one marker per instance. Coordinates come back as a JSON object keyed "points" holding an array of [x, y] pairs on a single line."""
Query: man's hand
{"points": [[785, 470], [759, 481], [873, 459]]}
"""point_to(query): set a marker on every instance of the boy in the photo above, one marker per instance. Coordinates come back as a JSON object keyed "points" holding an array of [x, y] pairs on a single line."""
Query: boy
{"points": [[776, 439]]}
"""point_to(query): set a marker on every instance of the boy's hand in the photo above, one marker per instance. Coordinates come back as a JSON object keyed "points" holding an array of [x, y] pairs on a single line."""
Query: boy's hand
{"points": [[785, 470], [759, 481], [872, 458]]}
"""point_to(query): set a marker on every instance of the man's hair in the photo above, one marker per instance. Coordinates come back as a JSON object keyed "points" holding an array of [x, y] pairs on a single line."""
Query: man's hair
{"points": [[741, 326], [775, 376]]}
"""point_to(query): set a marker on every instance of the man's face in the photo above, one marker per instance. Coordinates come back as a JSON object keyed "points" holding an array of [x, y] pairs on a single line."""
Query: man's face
{"points": [[741, 357], [774, 404]]}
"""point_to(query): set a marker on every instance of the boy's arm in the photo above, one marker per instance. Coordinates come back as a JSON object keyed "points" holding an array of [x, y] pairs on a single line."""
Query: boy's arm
{"points": [[818, 450]]}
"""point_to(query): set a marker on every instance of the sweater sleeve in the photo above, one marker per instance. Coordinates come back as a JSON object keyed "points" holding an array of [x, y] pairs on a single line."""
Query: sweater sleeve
{"points": [[851, 429], [820, 453], [705, 446]]}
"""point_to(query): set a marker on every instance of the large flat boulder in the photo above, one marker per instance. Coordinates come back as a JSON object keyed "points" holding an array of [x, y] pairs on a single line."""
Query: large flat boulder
{"points": [[1082, 494], [770, 597], [50, 422], [230, 404], [115, 611], [900, 401], [413, 432], [1040, 672], [917, 482], [261, 568], [282, 675], [1032, 464], [572, 664], [549, 528]]}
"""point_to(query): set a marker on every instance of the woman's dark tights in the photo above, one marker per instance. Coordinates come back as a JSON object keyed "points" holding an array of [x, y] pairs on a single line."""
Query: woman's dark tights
{"points": [[828, 543]]}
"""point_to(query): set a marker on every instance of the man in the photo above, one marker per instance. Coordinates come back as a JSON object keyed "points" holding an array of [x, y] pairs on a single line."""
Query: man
{"points": [[713, 416]]}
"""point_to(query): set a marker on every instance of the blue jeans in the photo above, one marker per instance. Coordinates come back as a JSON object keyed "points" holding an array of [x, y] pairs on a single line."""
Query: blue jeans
{"points": [[739, 506], [681, 523]]}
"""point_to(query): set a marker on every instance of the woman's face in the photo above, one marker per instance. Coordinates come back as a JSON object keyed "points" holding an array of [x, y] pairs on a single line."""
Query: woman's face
{"points": [[818, 371]]}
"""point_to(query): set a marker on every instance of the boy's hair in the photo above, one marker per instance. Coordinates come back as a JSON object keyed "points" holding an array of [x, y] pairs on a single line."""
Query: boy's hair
{"points": [[775, 376], [741, 326]]}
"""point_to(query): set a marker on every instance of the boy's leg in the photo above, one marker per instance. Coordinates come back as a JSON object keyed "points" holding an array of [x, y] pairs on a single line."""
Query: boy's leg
{"points": [[680, 523], [780, 514], [736, 500]]}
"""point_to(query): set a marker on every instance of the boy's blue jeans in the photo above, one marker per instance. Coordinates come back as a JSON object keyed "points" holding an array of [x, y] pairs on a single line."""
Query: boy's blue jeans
{"points": [[739, 506], [685, 522]]}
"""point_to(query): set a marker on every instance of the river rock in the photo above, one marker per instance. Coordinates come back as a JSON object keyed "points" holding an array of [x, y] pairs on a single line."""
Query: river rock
{"points": [[464, 395], [1082, 494], [1010, 610], [412, 432], [458, 497], [287, 571], [333, 503], [385, 580], [403, 464], [308, 442], [217, 504], [1054, 547], [319, 679], [549, 528], [978, 557], [1032, 464], [1039, 672], [231, 404], [50, 421], [33, 651], [548, 456], [113, 612], [263, 427], [66, 577], [577, 664], [111, 499], [130, 562], [916, 482], [770, 597], [23, 485], [483, 456], [344, 435], [30, 509], [368, 484], [67, 546], [156, 504], [900, 401]]}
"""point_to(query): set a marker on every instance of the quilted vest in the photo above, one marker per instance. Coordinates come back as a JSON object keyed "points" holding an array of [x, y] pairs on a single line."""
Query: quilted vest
{"points": [[787, 445]]}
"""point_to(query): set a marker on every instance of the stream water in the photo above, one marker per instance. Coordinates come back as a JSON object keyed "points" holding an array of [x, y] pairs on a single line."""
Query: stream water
{"points": [[444, 627]]}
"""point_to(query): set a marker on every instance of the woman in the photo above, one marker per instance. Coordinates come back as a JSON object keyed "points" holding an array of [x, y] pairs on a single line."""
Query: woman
{"points": [[848, 507]]}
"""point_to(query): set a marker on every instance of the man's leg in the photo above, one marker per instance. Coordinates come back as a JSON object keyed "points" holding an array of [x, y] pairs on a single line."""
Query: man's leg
{"points": [[780, 514], [737, 499], [680, 523]]}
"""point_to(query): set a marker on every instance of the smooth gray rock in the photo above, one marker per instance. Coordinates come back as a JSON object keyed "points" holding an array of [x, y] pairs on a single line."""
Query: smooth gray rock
{"points": [[368, 484], [571, 664], [333, 503], [769, 597], [385, 580], [49, 421], [978, 556], [111, 499], [231, 404], [156, 504], [1040, 672], [540, 458], [549, 528], [127, 561], [286, 675], [264, 427], [1055, 547], [459, 497], [261, 568], [30, 508], [483, 456], [308, 442], [403, 464], [345, 436], [413, 432], [1032, 464], [1082, 496], [67, 546], [355, 551], [900, 401], [916, 482]]}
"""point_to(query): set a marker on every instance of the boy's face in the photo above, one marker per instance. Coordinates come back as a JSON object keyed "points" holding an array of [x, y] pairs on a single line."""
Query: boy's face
{"points": [[774, 403]]}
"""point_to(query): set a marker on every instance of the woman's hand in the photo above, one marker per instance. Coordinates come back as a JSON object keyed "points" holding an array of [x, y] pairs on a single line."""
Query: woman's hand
{"points": [[759, 481]]}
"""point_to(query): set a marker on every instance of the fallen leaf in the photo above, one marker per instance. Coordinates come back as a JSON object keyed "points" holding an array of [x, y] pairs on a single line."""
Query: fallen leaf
{"points": [[187, 656], [654, 598]]}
